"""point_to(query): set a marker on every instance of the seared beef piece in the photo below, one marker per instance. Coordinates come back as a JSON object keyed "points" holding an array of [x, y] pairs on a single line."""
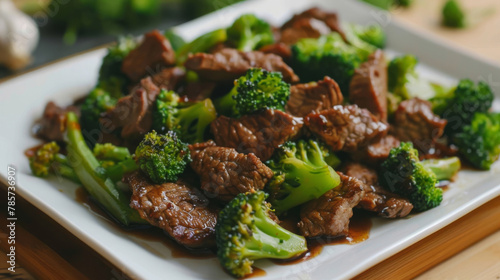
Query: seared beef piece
{"points": [[376, 152], [329, 18], [329, 214], [181, 210], [230, 64], [133, 113], [225, 173], [368, 87], [313, 97], [414, 121], [53, 122], [280, 49], [198, 91], [169, 78], [154, 53], [197, 147], [346, 128], [303, 28], [259, 133], [376, 199]]}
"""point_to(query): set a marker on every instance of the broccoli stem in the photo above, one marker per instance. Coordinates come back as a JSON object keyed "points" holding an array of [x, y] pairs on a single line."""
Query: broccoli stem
{"points": [[61, 167], [269, 240], [226, 104], [201, 44], [444, 168], [86, 167], [111, 152], [116, 172], [318, 179]]}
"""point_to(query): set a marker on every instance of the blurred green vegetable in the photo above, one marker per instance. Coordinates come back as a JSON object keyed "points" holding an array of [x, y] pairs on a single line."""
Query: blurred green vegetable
{"points": [[77, 16], [196, 8]]}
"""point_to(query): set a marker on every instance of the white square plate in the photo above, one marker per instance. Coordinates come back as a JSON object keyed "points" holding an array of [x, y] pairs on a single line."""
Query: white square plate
{"points": [[22, 100]]}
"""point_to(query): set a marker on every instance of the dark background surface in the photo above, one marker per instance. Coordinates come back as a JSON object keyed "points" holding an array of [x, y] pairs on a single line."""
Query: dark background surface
{"points": [[51, 46]]}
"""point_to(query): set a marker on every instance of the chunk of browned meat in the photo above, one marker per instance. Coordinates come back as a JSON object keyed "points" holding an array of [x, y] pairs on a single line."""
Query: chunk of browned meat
{"points": [[329, 214], [197, 147], [225, 173], [346, 128], [198, 91], [377, 199], [377, 151], [53, 122], [154, 53], [368, 88], [329, 18], [259, 133], [313, 97], [169, 78], [303, 28], [133, 113], [414, 121], [280, 49], [230, 64], [181, 210]]}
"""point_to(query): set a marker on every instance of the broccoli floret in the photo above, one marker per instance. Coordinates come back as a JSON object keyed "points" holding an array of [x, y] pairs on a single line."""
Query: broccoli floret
{"points": [[115, 160], [245, 232], [453, 14], [479, 142], [467, 100], [97, 102], [368, 34], [189, 121], [257, 90], [388, 4], [300, 174], [162, 156], [47, 160], [405, 82], [404, 3], [201, 44], [111, 78], [444, 168], [313, 59], [249, 32], [403, 173]]}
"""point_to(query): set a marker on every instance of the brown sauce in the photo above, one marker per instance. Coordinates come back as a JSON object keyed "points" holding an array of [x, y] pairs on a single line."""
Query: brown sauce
{"points": [[257, 272], [359, 230], [144, 235]]}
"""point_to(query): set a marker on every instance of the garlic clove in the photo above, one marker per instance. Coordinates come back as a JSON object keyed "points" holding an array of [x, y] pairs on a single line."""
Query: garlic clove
{"points": [[18, 36]]}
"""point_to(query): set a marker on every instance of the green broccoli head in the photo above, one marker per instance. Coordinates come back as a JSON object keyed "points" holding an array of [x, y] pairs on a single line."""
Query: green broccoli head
{"points": [[404, 81], [369, 34], [300, 174], [249, 32], [403, 173], [42, 159], [257, 90], [313, 59], [162, 156], [111, 78], [245, 232], [453, 14], [468, 99], [98, 101], [47, 160], [189, 121], [479, 142]]}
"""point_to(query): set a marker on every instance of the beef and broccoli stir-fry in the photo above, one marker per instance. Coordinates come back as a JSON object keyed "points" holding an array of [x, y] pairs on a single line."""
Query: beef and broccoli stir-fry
{"points": [[220, 138]]}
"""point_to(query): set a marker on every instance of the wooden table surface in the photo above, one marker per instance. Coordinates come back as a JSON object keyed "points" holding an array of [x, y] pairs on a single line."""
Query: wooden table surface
{"points": [[467, 249]]}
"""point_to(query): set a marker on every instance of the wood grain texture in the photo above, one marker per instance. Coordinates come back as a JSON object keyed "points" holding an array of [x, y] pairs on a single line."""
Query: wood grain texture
{"points": [[436, 248]]}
